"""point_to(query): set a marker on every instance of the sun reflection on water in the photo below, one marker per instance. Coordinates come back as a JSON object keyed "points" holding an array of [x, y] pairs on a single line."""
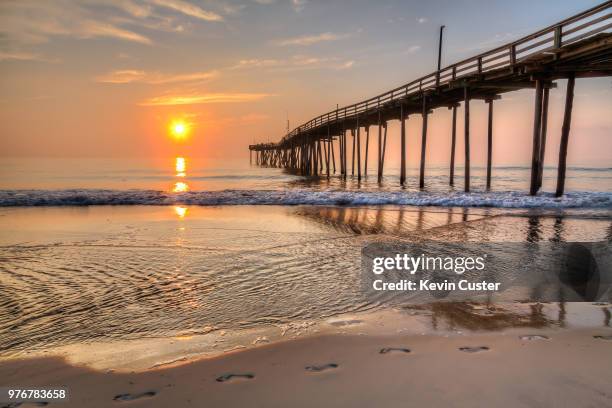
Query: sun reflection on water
{"points": [[180, 166], [180, 211], [180, 187]]}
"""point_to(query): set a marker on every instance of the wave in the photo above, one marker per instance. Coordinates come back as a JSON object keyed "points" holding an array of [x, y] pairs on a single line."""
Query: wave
{"points": [[501, 199]]}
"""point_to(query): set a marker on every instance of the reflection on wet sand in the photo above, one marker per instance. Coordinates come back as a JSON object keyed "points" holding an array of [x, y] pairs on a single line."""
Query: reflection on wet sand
{"points": [[477, 316], [180, 211], [386, 220], [520, 227], [473, 316], [449, 224]]}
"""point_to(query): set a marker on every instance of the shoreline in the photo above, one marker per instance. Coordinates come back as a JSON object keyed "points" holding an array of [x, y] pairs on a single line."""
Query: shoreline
{"points": [[441, 319], [326, 196]]}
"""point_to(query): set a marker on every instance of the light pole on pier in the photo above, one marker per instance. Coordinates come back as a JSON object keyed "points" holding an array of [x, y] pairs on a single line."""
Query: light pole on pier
{"points": [[439, 55]]}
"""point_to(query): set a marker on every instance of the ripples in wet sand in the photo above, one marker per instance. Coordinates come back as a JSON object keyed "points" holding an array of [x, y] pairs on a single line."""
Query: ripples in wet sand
{"points": [[73, 275]]}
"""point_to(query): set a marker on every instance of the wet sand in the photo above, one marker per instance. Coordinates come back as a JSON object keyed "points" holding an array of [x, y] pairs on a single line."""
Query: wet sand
{"points": [[518, 367], [337, 352]]}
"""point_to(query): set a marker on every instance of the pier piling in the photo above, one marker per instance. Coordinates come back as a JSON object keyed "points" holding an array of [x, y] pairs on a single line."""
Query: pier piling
{"points": [[565, 130], [543, 125], [537, 128], [451, 179], [358, 151], [489, 142], [365, 165], [466, 108], [379, 173], [423, 145], [403, 149]]}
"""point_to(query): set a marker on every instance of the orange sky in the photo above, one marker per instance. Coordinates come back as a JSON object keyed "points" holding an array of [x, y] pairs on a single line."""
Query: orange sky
{"points": [[104, 78]]}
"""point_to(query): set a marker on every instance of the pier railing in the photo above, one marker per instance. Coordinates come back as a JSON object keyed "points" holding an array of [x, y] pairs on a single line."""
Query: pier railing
{"points": [[586, 24]]}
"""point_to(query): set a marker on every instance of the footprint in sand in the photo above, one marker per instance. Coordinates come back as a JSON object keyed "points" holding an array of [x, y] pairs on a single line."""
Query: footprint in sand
{"points": [[473, 349], [534, 337], [609, 337], [341, 323], [31, 404], [228, 377], [394, 350], [323, 367], [132, 397]]}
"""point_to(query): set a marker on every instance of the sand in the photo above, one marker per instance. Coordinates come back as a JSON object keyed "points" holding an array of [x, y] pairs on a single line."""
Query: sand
{"points": [[450, 355], [517, 367]]}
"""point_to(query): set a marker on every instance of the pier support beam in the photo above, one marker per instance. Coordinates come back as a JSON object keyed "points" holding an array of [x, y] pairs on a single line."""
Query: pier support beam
{"points": [[379, 173], [466, 97], [328, 145], [489, 143], [403, 144], [423, 145], [353, 158], [544, 125], [341, 151], [451, 180], [365, 165], [319, 156], [333, 156], [537, 127], [565, 130], [358, 151], [345, 154], [384, 150]]}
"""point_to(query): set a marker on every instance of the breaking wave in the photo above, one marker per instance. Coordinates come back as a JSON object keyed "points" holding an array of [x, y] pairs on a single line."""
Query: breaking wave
{"points": [[501, 199]]}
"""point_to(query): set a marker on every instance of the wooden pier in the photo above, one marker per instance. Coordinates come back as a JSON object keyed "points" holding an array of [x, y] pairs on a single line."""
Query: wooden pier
{"points": [[577, 47]]}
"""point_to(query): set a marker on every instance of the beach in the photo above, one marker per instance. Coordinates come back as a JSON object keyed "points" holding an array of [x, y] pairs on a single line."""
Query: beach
{"points": [[260, 293], [549, 368], [266, 203]]}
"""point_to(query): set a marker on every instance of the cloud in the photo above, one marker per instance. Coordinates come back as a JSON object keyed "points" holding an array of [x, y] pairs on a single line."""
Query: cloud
{"points": [[232, 8], [27, 23], [422, 20], [196, 99], [297, 62], [312, 39], [298, 5], [154, 78], [258, 63], [346, 65], [131, 7], [21, 56], [413, 49], [188, 9], [95, 29], [124, 56]]}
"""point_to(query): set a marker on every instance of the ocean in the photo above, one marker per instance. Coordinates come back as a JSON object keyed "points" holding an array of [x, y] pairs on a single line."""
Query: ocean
{"points": [[55, 182], [105, 250]]}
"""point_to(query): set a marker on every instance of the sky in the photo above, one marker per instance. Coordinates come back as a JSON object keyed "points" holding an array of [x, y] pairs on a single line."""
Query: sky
{"points": [[104, 78]]}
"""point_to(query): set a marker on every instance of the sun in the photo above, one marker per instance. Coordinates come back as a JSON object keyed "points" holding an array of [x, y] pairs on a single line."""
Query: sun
{"points": [[179, 129]]}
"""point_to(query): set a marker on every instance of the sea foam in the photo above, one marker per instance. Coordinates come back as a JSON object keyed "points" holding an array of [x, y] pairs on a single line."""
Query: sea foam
{"points": [[500, 199]]}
